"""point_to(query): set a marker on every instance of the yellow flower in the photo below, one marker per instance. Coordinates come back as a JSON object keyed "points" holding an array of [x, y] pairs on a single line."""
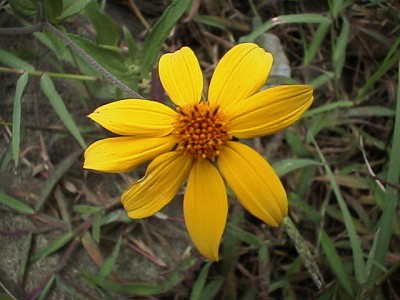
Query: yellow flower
{"points": [[199, 141]]}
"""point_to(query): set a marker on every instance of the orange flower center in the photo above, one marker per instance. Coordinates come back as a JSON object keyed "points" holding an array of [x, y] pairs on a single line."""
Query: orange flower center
{"points": [[201, 130]]}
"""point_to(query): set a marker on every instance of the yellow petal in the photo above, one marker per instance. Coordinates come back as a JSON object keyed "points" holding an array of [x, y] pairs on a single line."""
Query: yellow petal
{"points": [[122, 154], [241, 72], [254, 182], [157, 188], [271, 110], [181, 76], [205, 208], [135, 117]]}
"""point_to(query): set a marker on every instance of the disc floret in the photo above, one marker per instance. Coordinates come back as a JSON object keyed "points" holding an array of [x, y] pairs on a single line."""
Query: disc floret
{"points": [[201, 130]]}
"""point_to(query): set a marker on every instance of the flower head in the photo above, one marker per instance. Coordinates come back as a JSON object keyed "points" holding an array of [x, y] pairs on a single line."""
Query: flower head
{"points": [[198, 141]]}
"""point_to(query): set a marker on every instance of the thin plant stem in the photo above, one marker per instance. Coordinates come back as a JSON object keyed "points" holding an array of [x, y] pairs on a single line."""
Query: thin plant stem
{"points": [[51, 74], [91, 61], [47, 26], [304, 252]]}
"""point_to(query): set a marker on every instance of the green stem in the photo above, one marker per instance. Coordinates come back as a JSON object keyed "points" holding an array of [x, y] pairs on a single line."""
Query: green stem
{"points": [[47, 26], [304, 252], [51, 74]]}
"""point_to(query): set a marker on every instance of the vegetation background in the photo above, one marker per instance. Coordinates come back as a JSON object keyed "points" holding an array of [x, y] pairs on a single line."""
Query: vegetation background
{"points": [[63, 232]]}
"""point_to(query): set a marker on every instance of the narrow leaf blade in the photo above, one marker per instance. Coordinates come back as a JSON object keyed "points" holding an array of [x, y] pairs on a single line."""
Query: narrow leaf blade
{"points": [[15, 204], [16, 127], [53, 246], [55, 100], [160, 31]]}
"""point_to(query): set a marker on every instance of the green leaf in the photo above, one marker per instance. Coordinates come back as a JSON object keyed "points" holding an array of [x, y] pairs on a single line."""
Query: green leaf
{"points": [[358, 260], [111, 60], [335, 262], [384, 233], [16, 127], [212, 288], [107, 31], [7, 157], [392, 57], [109, 263], [25, 7], [52, 10], [321, 79], [44, 293], [86, 210], [288, 165], [53, 246], [339, 49], [72, 7], [13, 61], [316, 41], [131, 44], [198, 286], [96, 226], [55, 176], [285, 19], [16, 204], [369, 111], [336, 6], [159, 33], [23, 256], [244, 236], [55, 100], [130, 289], [328, 107]]}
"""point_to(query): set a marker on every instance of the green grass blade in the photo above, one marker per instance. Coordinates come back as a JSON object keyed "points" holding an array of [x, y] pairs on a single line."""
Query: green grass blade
{"points": [[288, 165], [16, 127], [321, 79], [131, 44], [328, 107], [55, 176], [358, 261], [314, 46], [198, 286], [152, 44], [369, 111], [16, 204], [24, 254], [244, 236], [109, 263], [43, 295], [96, 226], [335, 263], [130, 289], [336, 6], [212, 288], [339, 49], [55, 100], [13, 61], [53, 246], [7, 157], [385, 230], [391, 58], [285, 19]]}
